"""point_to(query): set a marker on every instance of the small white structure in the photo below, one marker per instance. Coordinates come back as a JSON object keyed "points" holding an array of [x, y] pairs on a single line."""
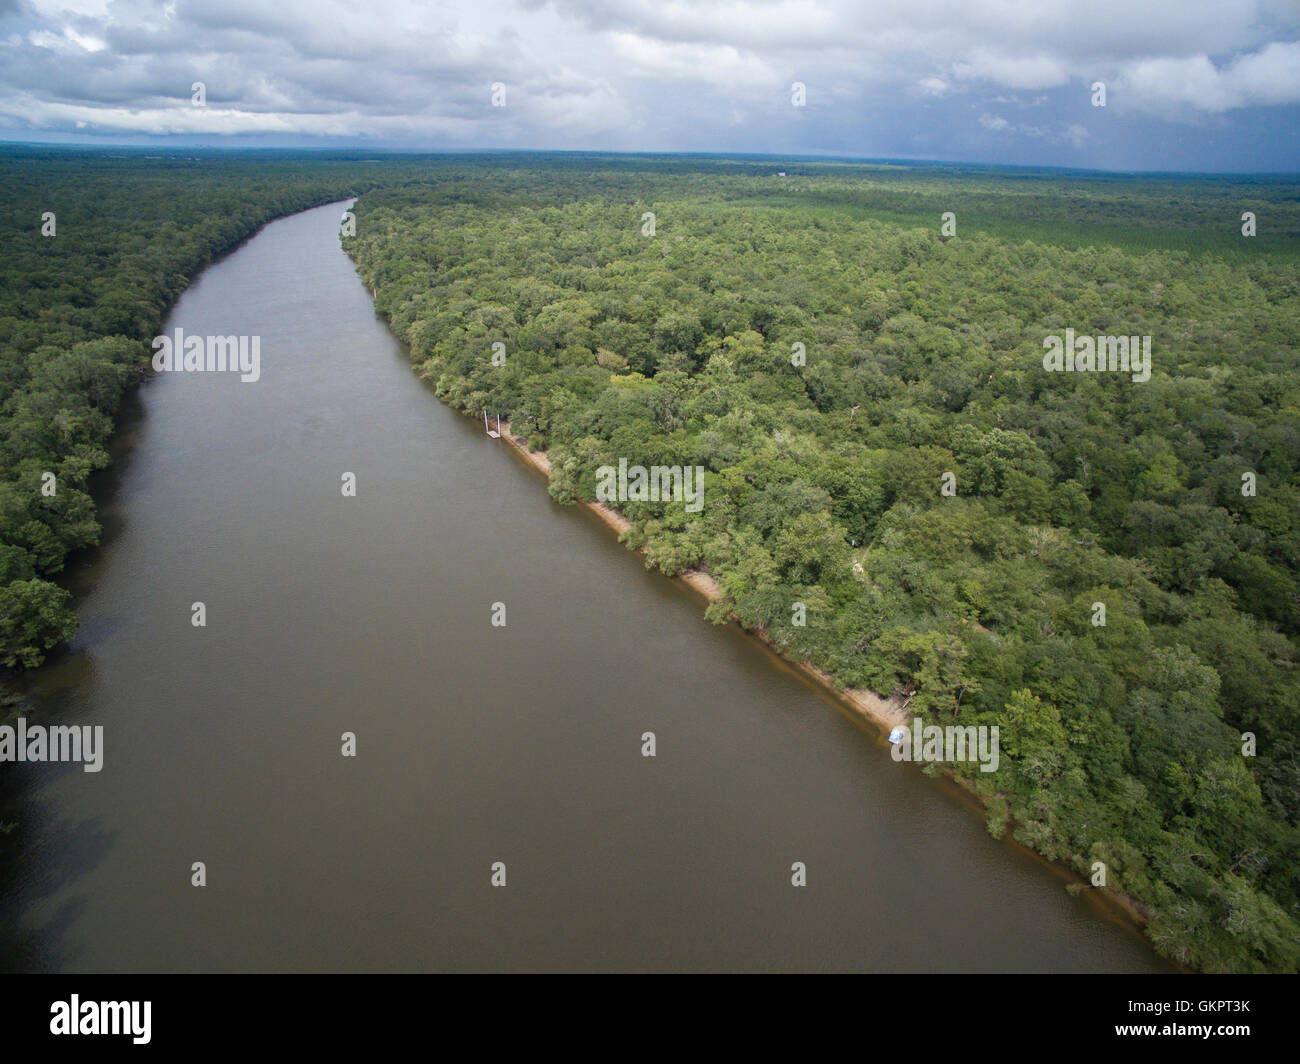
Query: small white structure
{"points": [[495, 435]]}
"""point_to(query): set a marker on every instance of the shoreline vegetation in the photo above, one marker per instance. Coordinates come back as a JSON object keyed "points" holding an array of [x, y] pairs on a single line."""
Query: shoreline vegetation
{"points": [[99, 246], [901, 494], [885, 713], [923, 356], [865, 706]]}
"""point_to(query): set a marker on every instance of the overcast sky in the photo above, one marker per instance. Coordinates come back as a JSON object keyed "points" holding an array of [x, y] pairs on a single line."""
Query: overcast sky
{"points": [[1190, 84]]}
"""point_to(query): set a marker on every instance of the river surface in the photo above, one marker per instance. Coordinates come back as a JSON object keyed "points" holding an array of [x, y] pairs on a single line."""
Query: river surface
{"points": [[475, 744]]}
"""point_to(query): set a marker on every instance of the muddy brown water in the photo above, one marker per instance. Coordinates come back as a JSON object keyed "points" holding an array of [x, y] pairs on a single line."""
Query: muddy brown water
{"points": [[475, 744]]}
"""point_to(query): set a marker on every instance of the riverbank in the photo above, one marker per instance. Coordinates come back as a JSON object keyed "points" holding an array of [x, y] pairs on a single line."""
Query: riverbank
{"points": [[883, 714], [106, 254]]}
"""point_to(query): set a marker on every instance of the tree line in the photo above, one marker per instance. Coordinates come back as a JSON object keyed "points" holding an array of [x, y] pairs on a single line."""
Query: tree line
{"points": [[96, 247], [835, 362], [1160, 743]]}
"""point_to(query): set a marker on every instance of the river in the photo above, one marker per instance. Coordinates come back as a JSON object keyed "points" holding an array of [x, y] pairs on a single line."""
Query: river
{"points": [[475, 744]]}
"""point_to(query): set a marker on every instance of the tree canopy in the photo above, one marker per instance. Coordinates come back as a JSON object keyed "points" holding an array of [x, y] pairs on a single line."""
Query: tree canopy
{"points": [[1074, 496]]}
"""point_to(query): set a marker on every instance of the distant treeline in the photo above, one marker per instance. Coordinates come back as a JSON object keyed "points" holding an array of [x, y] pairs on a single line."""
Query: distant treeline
{"points": [[1114, 580]]}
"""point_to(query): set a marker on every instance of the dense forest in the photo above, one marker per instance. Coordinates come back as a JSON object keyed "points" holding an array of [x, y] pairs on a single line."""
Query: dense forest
{"points": [[832, 357], [97, 246], [865, 388]]}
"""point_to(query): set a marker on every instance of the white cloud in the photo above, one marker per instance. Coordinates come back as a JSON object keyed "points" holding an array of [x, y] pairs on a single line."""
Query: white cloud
{"points": [[90, 44], [67, 41], [1013, 71], [1170, 85], [716, 64], [651, 74], [63, 8]]}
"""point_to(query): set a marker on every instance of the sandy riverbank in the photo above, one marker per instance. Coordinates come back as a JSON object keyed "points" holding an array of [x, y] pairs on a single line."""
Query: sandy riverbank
{"points": [[886, 713], [865, 705]]}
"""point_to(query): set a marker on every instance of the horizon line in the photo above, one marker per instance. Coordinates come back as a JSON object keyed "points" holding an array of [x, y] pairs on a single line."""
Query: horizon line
{"points": [[901, 161]]}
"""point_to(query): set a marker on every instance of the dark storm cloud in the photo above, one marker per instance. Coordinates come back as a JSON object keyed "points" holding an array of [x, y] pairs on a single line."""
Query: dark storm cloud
{"points": [[991, 80]]}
